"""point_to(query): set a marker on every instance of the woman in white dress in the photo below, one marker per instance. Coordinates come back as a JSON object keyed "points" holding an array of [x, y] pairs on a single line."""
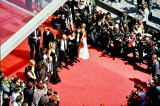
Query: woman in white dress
{"points": [[83, 48]]}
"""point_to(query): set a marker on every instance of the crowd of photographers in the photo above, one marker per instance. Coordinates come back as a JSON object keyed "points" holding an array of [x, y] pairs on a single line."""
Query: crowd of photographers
{"points": [[145, 96]]}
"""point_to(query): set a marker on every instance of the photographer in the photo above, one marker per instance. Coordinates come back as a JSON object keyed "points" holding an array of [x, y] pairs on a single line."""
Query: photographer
{"points": [[158, 93], [53, 101], [138, 97], [142, 95], [16, 82], [152, 92], [17, 92]]}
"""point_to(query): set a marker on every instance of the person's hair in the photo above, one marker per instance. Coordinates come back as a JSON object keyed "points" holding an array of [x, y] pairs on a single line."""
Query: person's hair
{"points": [[51, 44], [3, 77], [40, 85], [108, 13], [29, 68], [49, 92], [16, 79], [100, 12], [139, 22], [32, 62], [154, 56], [83, 25], [46, 28], [43, 50], [19, 98], [1, 72], [17, 88], [40, 64], [145, 5], [29, 85], [54, 97]]}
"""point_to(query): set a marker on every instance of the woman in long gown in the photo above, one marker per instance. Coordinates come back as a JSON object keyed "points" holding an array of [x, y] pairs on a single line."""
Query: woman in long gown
{"points": [[52, 52], [83, 48]]}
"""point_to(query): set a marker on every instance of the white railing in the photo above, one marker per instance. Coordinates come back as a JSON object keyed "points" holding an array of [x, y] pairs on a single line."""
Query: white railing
{"points": [[28, 28]]}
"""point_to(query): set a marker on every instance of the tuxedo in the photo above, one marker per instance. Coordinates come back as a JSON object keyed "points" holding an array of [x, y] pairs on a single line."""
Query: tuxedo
{"points": [[34, 42], [72, 50], [140, 49], [77, 38], [64, 52], [47, 38]]}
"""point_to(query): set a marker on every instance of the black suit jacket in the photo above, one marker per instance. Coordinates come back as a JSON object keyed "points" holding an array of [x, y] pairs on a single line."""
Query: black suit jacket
{"points": [[66, 44], [31, 39], [77, 37], [47, 39]]}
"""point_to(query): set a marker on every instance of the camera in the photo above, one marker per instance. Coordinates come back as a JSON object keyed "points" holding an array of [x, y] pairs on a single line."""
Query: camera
{"points": [[137, 86]]}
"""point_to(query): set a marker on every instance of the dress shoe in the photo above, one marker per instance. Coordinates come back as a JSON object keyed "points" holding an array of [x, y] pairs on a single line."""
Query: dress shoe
{"points": [[67, 67], [77, 60], [60, 67], [71, 64]]}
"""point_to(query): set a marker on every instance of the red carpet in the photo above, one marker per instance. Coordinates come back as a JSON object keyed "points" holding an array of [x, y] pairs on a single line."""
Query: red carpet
{"points": [[11, 21], [98, 80], [22, 4]]}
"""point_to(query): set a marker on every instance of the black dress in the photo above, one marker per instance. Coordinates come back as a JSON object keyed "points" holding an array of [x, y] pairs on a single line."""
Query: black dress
{"points": [[54, 79], [55, 63]]}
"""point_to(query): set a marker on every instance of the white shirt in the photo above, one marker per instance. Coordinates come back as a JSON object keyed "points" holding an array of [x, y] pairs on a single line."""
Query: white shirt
{"points": [[14, 96], [78, 37], [47, 33], [62, 45], [145, 15]]}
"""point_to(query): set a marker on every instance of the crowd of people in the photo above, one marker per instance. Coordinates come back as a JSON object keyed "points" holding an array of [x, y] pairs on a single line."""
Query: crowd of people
{"points": [[87, 25], [15, 91], [147, 95]]}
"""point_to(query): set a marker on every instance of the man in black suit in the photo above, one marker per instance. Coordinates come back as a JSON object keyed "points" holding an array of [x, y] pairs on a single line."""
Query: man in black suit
{"points": [[47, 37], [78, 38], [139, 4], [64, 50], [34, 42], [154, 66], [151, 49]]}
